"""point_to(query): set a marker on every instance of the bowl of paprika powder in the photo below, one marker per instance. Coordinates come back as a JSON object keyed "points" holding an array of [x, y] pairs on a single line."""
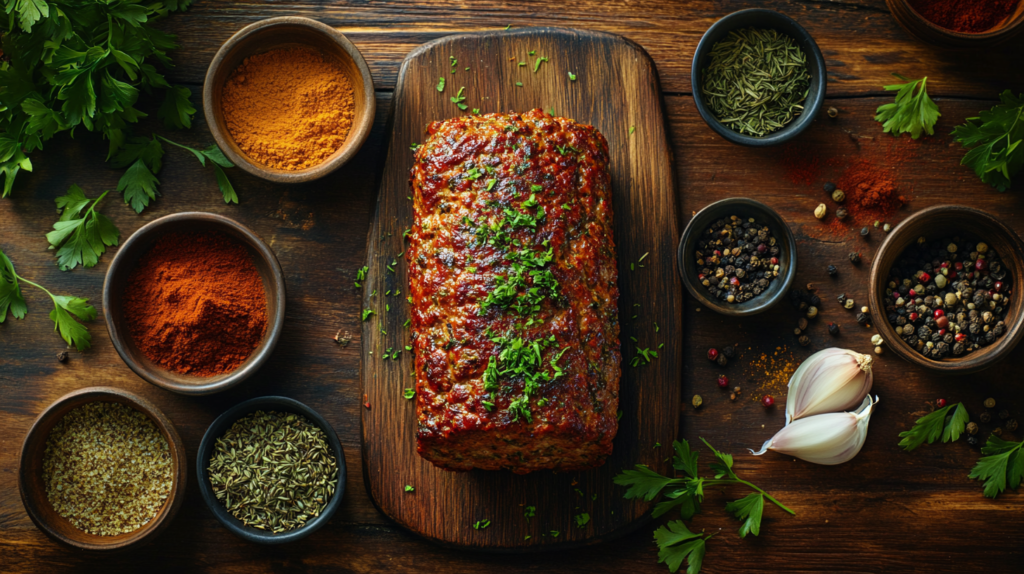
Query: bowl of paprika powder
{"points": [[194, 302], [960, 24]]}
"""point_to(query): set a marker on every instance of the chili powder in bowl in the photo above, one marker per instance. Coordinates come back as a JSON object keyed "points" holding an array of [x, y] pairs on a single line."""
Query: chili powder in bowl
{"points": [[960, 23], [194, 302], [289, 99]]}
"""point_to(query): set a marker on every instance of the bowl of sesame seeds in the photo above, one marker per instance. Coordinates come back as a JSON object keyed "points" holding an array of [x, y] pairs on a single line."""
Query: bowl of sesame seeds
{"points": [[102, 470]]}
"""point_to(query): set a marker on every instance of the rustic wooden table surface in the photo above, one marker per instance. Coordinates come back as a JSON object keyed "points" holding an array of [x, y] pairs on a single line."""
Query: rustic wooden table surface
{"points": [[886, 511]]}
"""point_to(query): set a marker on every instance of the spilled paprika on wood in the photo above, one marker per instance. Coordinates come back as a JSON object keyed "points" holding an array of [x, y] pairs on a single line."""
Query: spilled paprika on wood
{"points": [[195, 304]]}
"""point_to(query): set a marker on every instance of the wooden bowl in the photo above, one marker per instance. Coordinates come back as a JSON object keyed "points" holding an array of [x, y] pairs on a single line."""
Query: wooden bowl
{"points": [[217, 430], [930, 33], [761, 18], [138, 245], [33, 489], [289, 32], [742, 207], [942, 221]]}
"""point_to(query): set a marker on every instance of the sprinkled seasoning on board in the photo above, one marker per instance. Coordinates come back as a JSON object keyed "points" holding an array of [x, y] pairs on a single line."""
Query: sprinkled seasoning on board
{"points": [[107, 469], [771, 373]]}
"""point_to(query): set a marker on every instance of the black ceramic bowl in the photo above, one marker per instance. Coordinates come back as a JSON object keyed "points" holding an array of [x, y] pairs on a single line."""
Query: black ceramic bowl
{"points": [[217, 430], [745, 208], [761, 18]]}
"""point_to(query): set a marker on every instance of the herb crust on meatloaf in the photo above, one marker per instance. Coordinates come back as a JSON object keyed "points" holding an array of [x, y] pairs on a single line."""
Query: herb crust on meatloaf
{"points": [[513, 283]]}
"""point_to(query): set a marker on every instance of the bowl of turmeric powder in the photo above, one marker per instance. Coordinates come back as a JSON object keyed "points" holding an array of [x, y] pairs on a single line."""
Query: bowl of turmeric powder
{"points": [[289, 99]]}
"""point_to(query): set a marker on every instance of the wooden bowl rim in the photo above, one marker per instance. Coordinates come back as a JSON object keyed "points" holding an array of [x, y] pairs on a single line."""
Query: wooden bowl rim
{"points": [[717, 210], [217, 429], [1010, 26], [975, 361], [168, 224], [815, 59], [358, 133], [177, 449]]}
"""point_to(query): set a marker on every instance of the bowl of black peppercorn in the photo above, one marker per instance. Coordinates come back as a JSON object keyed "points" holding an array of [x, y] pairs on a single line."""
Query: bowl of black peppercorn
{"points": [[756, 270], [974, 316]]}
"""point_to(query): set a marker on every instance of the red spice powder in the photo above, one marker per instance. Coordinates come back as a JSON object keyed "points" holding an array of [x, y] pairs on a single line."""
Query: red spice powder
{"points": [[966, 16], [195, 304]]}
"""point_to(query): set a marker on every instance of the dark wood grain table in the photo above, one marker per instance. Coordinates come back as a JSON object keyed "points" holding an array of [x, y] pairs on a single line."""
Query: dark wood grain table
{"points": [[886, 511]]}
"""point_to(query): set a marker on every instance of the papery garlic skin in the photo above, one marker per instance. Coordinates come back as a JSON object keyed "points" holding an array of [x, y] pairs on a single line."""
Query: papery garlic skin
{"points": [[829, 381], [829, 439]]}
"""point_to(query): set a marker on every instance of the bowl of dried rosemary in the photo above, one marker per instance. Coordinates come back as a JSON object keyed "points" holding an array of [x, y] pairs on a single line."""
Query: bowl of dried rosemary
{"points": [[758, 78], [271, 470]]}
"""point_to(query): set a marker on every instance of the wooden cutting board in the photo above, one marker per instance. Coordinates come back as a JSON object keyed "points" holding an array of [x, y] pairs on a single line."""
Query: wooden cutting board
{"points": [[616, 89]]}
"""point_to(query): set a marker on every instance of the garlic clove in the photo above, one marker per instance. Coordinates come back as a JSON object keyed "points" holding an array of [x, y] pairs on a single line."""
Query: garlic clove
{"points": [[829, 439], [828, 381]]}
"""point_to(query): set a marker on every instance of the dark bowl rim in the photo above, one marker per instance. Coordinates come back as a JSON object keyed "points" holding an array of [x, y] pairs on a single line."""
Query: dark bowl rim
{"points": [[689, 237], [260, 355], [222, 423], [358, 133], [163, 423], [811, 108], [878, 276]]}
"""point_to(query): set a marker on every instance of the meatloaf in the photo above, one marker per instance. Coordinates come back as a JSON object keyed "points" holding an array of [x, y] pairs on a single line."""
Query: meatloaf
{"points": [[513, 279]]}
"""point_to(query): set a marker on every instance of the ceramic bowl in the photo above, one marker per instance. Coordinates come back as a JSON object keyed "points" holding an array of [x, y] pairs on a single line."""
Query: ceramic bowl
{"points": [[138, 245], [289, 32], [761, 18], [931, 33], [745, 208], [33, 489], [944, 221], [217, 430]]}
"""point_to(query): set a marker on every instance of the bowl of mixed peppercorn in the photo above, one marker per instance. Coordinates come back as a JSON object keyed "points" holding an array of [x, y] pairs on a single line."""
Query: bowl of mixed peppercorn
{"points": [[737, 256], [945, 289]]}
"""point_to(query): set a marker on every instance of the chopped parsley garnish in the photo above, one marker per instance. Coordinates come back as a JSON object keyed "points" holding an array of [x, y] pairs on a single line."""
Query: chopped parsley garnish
{"points": [[520, 359], [458, 99], [631, 130], [529, 512], [409, 394], [440, 84], [409, 488], [582, 520], [367, 313], [536, 65], [572, 77], [481, 524], [519, 84]]}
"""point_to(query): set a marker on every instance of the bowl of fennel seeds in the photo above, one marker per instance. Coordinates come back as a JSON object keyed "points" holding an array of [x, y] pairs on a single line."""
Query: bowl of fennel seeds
{"points": [[758, 78], [271, 470]]}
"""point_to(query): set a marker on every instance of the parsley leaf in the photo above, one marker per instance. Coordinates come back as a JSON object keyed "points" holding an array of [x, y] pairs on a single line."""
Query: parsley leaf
{"points": [[409, 394], [676, 543], [219, 161], [1002, 468], [948, 422], [749, 510], [82, 67], [81, 238], [440, 84], [911, 113], [65, 307], [995, 138]]}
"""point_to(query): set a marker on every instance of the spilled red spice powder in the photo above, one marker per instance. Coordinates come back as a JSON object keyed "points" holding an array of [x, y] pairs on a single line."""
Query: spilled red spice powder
{"points": [[966, 16]]}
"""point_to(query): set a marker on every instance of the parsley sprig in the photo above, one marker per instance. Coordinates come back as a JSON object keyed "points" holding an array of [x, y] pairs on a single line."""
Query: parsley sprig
{"points": [[912, 112], [81, 235], [65, 307], [948, 423], [1002, 468], [686, 493], [995, 140], [79, 65]]}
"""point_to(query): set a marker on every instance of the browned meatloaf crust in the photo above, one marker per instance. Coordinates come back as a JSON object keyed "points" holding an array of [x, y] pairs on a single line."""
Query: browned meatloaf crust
{"points": [[515, 302]]}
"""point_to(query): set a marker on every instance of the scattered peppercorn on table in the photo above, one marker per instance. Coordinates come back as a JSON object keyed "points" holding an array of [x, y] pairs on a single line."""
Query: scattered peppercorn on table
{"points": [[887, 510]]}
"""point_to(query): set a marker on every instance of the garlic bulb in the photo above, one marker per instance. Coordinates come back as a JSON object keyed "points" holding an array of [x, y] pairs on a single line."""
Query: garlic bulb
{"points": [[828, 381], [831, 438]]}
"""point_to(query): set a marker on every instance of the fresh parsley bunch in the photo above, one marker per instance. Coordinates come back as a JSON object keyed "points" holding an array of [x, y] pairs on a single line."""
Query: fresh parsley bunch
{"points": [[995, 138], [65, 307], [1003, 467], [81, 65], [912, 112], [675, 542]]}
